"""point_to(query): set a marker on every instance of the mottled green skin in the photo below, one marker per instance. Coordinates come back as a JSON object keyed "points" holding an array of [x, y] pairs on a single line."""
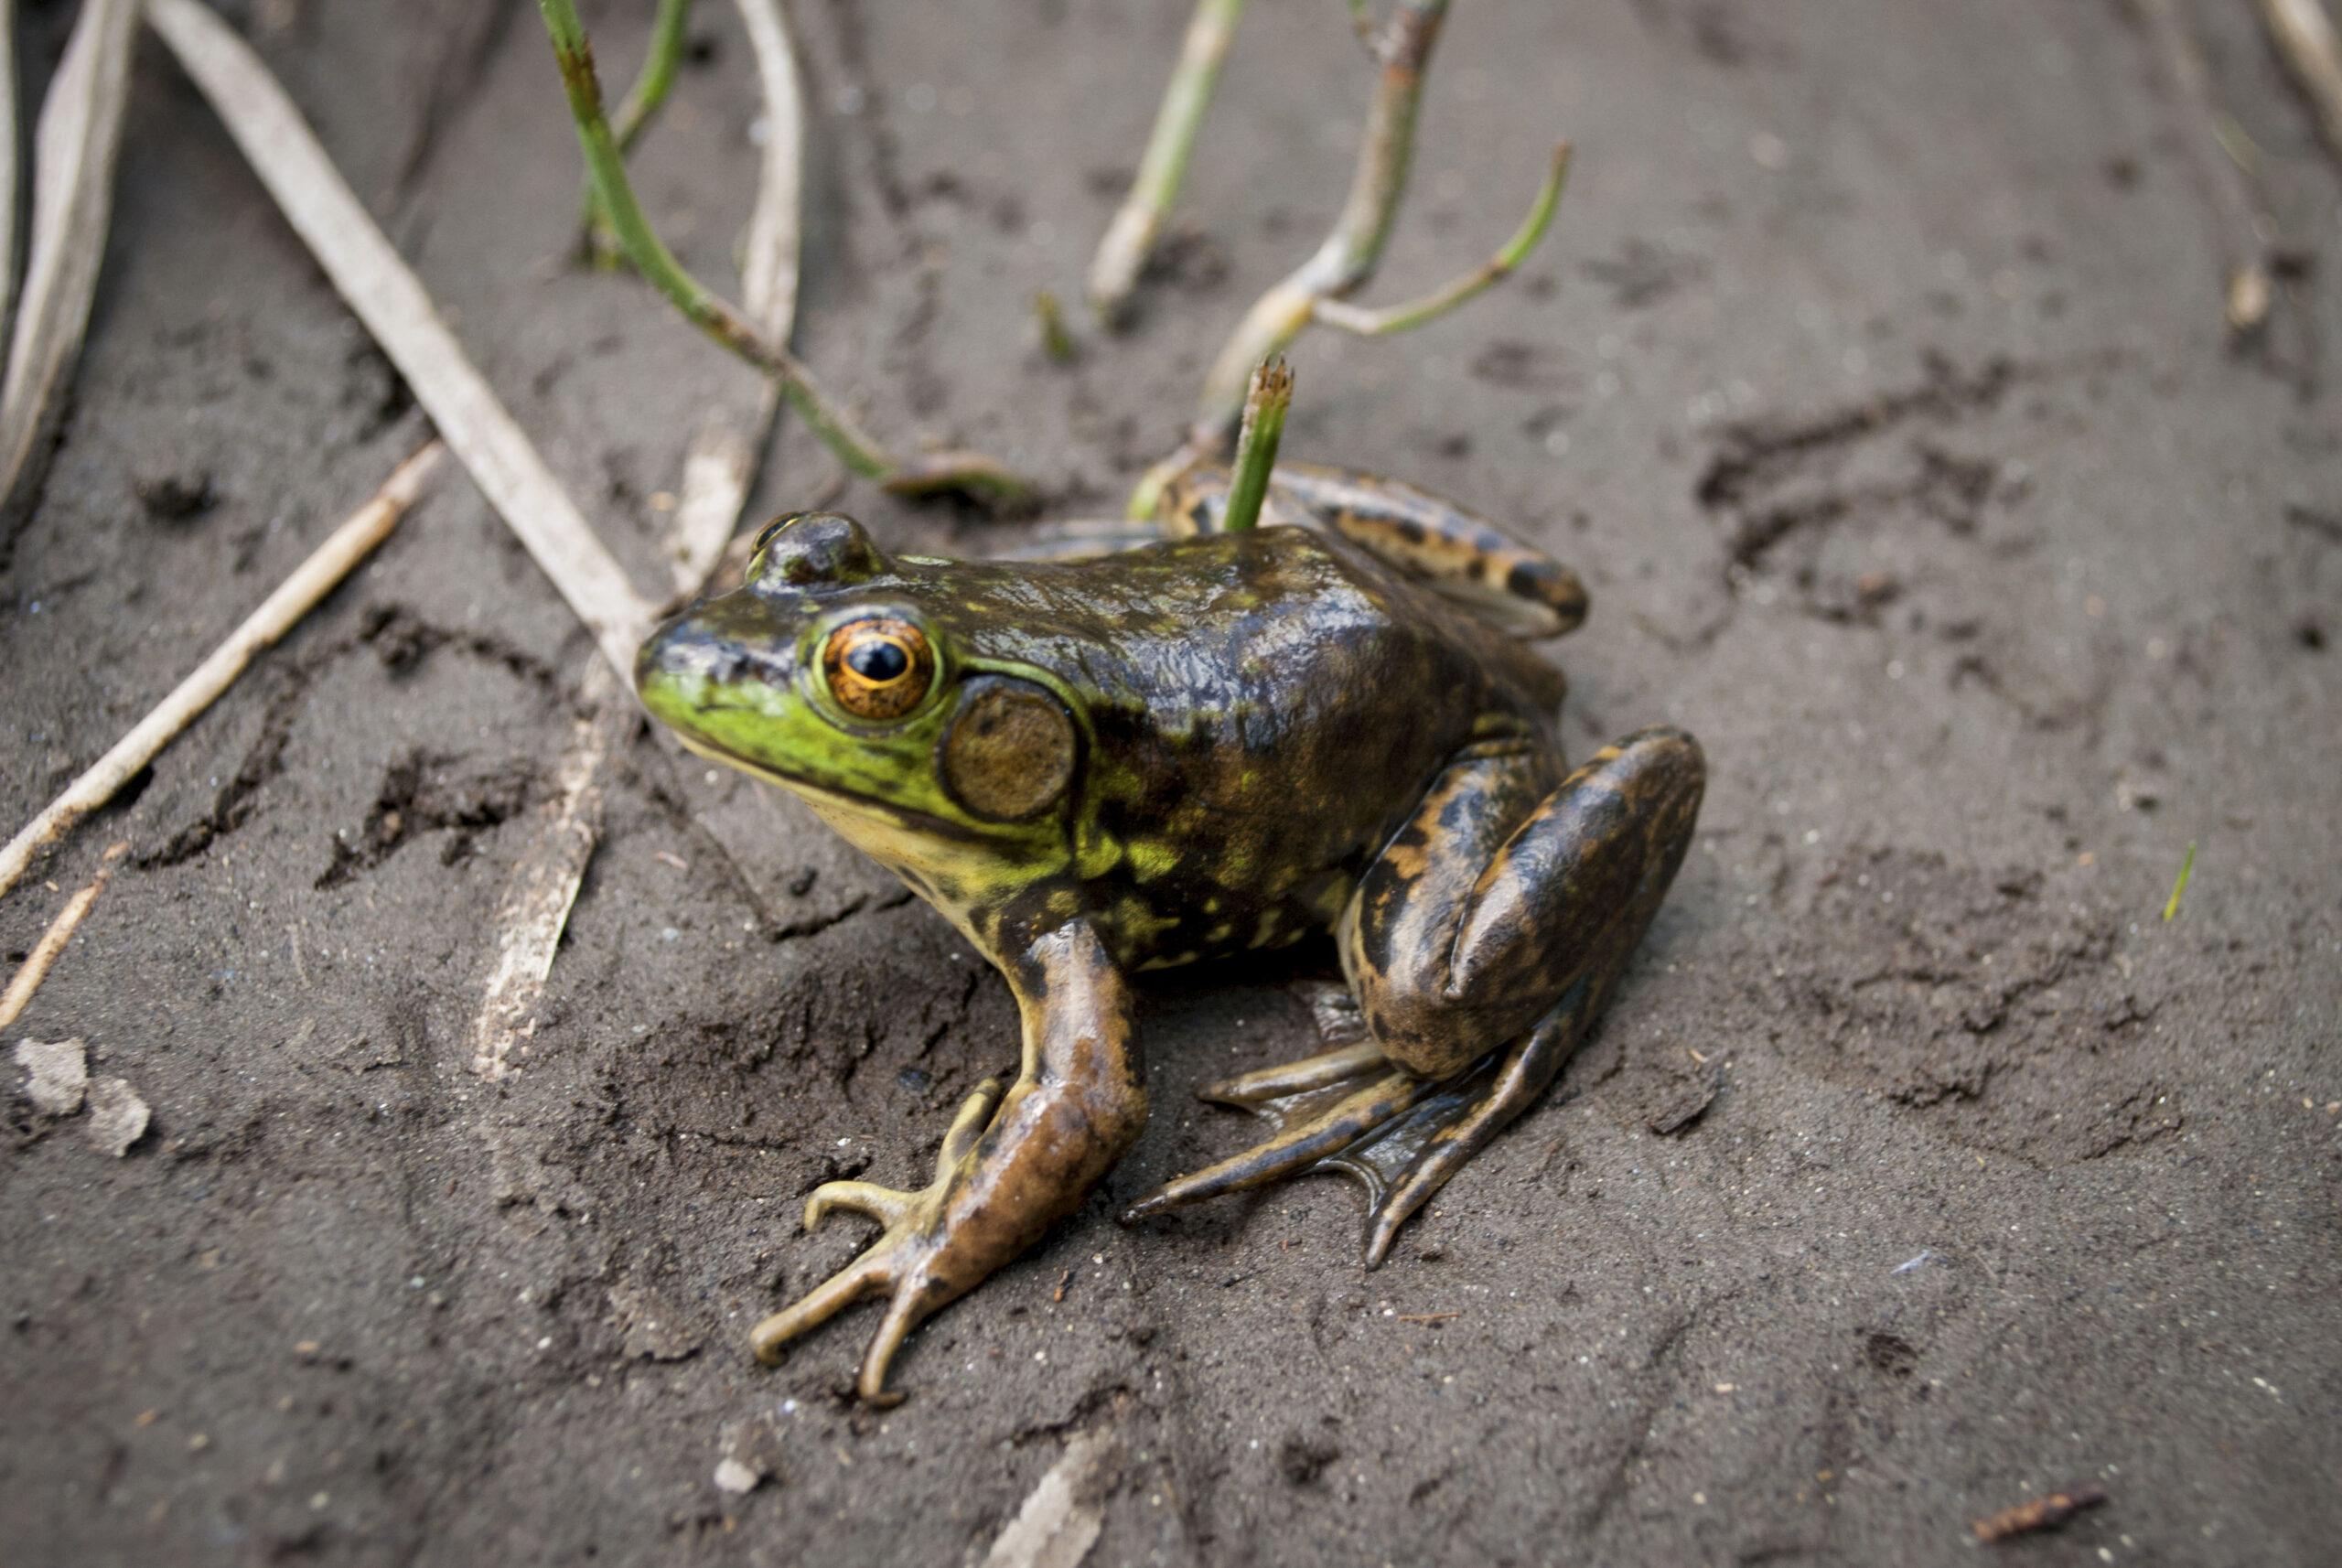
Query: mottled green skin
{"points": [[1257, 713]]}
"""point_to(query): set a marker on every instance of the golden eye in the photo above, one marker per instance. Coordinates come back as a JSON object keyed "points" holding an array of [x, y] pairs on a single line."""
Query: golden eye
{"points": [[878, 669]]}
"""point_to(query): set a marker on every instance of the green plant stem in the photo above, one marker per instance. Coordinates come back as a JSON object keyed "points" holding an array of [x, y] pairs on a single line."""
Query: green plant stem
{"points": [[1346, 259], [1265, 403], [1057, 342], [635, 110], [970, 472], [1439, 302], [2187, 869], [1352, 248], [1130, 238], [657, 79]]}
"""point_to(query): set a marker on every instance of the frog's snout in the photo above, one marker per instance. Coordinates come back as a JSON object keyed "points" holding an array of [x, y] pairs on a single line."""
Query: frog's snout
{"points": [[690, 649]]}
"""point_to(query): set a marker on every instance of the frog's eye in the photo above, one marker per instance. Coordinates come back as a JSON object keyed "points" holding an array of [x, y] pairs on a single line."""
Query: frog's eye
{"points": [[770, 531], [878, 669]]}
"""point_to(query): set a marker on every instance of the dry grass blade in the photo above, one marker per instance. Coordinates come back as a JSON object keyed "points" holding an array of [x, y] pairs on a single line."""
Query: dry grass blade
{"points": [[1060, 1518], [721, 462], [769, 267], [718, 471], [8, 156], [73, 161], [543, 884], [52, 942], [389, 299], [2306, 37], [310, 581]]}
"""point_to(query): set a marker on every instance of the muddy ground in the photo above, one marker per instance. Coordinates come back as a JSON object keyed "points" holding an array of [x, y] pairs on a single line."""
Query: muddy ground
{"points": [[1873, 378]]}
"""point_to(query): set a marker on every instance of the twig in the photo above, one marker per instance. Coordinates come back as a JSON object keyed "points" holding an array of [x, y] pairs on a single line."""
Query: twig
{"points": [[606, 169], [1427, 1317], [53, 941], [543, 884], [968, 472], [278, 613], [391, 302], [2246, 287], [2306, 37], [2187, 869], [2041, 1513], [1271, 396], [1439, 302], [73, 163], [635, 109], [1114, 271]]}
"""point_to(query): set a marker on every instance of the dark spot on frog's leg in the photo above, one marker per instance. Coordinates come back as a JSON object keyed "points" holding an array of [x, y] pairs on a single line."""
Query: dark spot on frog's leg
{"points": [[1550, 584]]}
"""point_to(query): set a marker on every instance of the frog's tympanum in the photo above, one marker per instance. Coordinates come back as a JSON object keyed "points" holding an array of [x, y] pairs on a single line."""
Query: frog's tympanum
{"points": [[1199, 747]]}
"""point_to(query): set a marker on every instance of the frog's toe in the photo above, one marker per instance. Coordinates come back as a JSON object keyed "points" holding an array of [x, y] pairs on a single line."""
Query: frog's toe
{"points": [[1402, 1169], [883, 1204], [867, 1276], [903, 1261], [902, 1264], [1320, 1106], [1283, 1092], [1401, 1137]]}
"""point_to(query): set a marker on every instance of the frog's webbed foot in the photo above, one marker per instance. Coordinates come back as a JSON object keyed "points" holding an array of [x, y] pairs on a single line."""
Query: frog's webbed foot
{"points": [[1352, 1110], [902, 1261]]}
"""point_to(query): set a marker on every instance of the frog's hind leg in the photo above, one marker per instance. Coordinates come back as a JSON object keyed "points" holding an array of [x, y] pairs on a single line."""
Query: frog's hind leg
{"points": [[1482, 946]]}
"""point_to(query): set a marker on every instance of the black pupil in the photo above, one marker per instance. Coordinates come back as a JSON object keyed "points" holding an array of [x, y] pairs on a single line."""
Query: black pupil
{"points": [[878, 661]]}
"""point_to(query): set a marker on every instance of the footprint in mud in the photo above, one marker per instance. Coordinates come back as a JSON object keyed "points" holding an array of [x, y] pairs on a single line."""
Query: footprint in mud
{"points": [[423, 792], [1974, 999]]}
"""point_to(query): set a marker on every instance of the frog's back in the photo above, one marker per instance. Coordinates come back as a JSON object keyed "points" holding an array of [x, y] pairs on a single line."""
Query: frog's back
{"points": [[1266, 709]]}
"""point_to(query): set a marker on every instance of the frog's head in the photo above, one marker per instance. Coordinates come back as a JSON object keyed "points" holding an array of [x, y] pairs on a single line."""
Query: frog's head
{"points": [[838, 672]]}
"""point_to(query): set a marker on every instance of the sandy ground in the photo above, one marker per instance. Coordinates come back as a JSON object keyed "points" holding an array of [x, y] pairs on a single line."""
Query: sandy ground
{"points": [[1874, 378]]}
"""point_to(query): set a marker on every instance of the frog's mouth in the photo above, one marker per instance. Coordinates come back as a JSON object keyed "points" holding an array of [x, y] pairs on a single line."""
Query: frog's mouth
{"points": [[830, 802]]}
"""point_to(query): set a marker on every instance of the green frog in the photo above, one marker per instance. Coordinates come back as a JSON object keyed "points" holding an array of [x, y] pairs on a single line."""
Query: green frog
{"points": [[1193, 748]]}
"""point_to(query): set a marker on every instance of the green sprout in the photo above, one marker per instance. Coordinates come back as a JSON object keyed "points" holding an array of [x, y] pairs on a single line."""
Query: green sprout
{"points": [[2187, 869], [1265, 402]]}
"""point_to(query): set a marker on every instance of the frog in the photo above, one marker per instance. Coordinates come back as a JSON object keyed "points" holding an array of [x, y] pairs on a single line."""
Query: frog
{"points": [[1113, 757]]}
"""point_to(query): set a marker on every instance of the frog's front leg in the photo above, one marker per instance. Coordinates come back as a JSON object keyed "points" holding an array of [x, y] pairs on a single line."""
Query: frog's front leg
{"points": [[1010, 1167], [1481, 946]]}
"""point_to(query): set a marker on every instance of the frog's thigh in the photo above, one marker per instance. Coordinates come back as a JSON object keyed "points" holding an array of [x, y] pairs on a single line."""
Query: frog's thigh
{"points": [[1487, 908]]}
